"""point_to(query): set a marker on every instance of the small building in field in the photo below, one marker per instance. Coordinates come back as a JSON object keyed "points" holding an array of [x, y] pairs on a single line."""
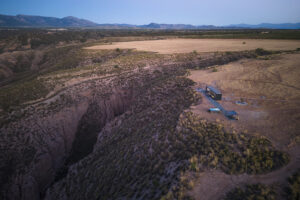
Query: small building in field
{"points": [[213, 93]]}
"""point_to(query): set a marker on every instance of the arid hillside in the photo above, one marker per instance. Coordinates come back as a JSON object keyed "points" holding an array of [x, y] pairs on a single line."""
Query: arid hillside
{"points": [[85, 123]]}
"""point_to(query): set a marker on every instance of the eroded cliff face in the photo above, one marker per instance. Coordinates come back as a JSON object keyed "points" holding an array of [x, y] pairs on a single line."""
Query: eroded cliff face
{"points": [[96, 116], [50, 139], [136, 156]]}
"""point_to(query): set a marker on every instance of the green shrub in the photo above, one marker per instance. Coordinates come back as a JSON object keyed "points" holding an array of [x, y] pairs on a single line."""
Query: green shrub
{"points": [[293, 189], [261, 52], [252, 192], [21, 92], [233, 153]]}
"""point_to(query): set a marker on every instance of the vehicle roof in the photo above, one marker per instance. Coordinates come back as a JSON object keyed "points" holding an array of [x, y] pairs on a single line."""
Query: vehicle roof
{"points": [[231, 113], [216, 91], [214, 108]]}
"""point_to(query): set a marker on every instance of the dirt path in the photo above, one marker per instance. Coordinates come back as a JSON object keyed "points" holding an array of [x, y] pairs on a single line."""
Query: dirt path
{"points": [[71, 83], [214, 184]]}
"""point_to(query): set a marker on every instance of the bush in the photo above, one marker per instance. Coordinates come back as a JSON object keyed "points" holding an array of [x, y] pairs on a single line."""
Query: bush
{"points": [[21, 92], [261, 52], [233, 153], [293, 189]]}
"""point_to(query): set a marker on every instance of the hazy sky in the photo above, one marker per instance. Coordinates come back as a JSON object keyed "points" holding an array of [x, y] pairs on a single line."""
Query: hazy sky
{"points": [[197, 12]]}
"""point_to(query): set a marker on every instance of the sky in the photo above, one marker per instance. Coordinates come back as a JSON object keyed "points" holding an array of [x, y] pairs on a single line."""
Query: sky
{"points": [[196, 12]]}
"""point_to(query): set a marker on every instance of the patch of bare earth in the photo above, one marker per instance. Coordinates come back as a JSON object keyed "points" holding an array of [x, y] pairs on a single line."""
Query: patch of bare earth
{"points": [[170, 46], [271, 89]]}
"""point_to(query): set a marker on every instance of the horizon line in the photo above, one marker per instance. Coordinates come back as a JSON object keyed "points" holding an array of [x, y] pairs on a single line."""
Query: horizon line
{"points": [[125, 23]]}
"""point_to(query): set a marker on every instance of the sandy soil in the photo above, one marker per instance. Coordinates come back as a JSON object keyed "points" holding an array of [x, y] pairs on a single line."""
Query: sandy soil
{"points": [[271, 89], [169, 46]]}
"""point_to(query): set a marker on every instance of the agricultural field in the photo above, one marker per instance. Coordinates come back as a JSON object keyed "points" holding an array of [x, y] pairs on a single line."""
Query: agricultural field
{"points": [[115, 114], [169, 46]]}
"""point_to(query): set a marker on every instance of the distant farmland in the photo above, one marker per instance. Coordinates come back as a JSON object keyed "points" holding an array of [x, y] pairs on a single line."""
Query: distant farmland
{"points": [[169, 46]]}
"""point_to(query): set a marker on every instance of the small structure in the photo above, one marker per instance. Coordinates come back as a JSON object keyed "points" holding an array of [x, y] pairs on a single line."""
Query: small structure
{"points": [[214, 110], [213, 93], [232, 115], [242, 103]]}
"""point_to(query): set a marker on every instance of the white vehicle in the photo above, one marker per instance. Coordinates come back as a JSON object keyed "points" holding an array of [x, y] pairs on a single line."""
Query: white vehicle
{"points": [[215, 110]]}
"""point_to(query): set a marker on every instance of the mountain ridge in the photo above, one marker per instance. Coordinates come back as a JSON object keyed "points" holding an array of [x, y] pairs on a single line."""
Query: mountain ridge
{"points": [[41, 21], [70, 21]]}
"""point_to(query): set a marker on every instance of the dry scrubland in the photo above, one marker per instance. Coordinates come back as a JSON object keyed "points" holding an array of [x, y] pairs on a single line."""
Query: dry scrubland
{"points": [[169, 46], [271, 87], [126, 124]]}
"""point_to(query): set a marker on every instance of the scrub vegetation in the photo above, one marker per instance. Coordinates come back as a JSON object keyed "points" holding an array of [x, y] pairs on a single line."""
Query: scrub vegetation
{"points": [[252, 192], [293, 188], [232, 152]]}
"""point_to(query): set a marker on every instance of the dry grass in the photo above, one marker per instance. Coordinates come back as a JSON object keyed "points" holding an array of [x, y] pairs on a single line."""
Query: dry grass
{"points": [[270, 87], [277, 77], [169, 46]]}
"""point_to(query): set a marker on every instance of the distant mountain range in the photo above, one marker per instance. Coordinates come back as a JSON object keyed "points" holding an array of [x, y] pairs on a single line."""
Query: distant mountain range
{"points": [[40, 21], [268, 26], [177, 26]]}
